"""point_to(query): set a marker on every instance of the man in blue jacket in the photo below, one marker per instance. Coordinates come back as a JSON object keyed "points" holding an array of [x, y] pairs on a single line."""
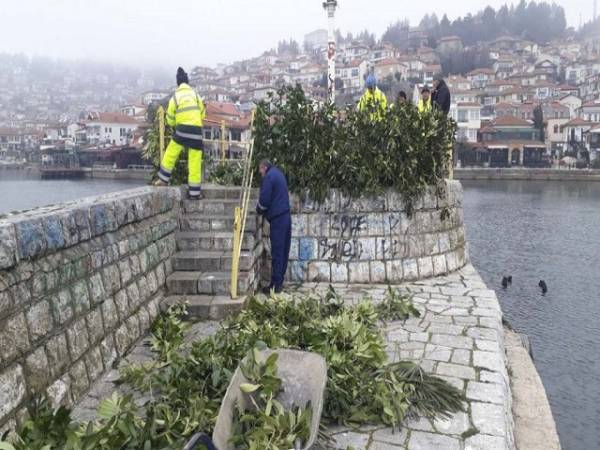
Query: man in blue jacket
{"points": [[274, 204]]}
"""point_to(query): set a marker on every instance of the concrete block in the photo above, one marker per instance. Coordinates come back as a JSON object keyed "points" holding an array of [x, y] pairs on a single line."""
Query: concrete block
{"points": [[410, 269], [298, 271], [39, 320], [358, 272], [420, 440], [62, 308], [8, 245], [489, 418], [378, 272], [425, 267], [95, 326], [14, 338], [79, 380], [53, 231], [30, 238], [93, 364], [395, 271], [37, 369], [97, 290], [57, 353], [58, 392], [308, 249], [439, 265], [319, 271], [77, 337], [12, 389], [339, 273], [80, 296]]}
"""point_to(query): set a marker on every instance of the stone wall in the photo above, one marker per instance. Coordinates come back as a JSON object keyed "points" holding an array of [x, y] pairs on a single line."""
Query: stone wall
{"points": [[373, 240], [79, 284]]}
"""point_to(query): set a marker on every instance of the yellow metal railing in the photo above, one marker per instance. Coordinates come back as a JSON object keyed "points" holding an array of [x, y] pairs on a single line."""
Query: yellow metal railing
{"points": [[161, 131], [241, 215]]}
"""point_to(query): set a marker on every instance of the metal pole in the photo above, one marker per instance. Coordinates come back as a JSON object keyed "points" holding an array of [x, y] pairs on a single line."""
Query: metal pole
{"points": [[330, 6], [222, 140]]}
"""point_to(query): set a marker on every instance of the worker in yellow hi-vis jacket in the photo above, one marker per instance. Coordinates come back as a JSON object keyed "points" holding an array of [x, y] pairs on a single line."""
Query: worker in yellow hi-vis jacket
{"points": [[373, 99], [186, 114]]}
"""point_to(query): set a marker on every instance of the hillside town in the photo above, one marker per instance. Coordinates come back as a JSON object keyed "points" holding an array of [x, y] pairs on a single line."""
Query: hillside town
{"points": [[532, 105]]}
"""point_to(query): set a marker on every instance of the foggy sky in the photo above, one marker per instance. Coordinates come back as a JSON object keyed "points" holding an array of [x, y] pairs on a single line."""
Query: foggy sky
{"points": [[202, 32]]}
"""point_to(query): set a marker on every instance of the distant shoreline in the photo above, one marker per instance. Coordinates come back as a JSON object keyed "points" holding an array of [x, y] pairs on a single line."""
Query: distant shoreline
{"points": [[527, 174], [96, 173]]}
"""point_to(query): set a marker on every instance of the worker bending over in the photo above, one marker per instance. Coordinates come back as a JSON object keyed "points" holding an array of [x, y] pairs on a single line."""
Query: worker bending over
{"points": [[274, 204]]}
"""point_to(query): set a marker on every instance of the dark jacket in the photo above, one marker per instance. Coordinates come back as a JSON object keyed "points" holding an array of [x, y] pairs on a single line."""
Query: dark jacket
{"points": [[441, 97], [274, 199]]}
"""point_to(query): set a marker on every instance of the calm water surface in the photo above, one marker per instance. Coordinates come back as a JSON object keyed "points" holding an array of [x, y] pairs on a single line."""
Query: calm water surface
{"points": [[549, 231], [18, 192]]}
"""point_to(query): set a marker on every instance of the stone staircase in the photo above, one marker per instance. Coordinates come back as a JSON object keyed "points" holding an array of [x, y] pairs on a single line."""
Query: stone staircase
{"points": [[202, 264]]}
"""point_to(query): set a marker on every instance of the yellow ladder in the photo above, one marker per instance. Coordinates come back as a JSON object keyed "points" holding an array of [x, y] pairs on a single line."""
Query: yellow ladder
{"points": [[241, 215]]}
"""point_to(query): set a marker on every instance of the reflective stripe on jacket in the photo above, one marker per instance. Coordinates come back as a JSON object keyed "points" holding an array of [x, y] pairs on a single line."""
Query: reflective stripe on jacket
{"points": [[185, 108]]}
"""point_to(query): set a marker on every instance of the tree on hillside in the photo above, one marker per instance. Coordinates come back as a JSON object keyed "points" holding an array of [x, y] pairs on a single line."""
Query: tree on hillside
{"points": [[397, 34]]}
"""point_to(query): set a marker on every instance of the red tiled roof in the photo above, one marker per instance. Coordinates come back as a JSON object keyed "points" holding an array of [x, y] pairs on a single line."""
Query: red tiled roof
{"points": [[510, 121], [228, 109], [388, 62], [483, 70], [592, 103], [110, 117], [577, 121]]}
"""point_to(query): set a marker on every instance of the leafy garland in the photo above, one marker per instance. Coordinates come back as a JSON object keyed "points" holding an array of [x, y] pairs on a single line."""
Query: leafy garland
{"points": [[186, 384]]}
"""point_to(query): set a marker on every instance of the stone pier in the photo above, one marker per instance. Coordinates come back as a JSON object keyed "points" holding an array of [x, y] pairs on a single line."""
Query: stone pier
{"points": [[81, 283]]}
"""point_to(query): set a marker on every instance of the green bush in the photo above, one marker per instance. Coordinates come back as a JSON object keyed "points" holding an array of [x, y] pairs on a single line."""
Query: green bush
{"points": [[320, 148]]}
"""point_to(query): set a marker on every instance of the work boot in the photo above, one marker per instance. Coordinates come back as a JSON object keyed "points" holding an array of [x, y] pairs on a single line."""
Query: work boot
{"points": [[267, 290], [196, 196], [159, 183]]}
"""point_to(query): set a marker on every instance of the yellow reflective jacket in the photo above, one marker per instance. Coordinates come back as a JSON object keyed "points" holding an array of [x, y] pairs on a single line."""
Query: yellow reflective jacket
{"points": [[185, 107], [375, 99], [424, 106]]}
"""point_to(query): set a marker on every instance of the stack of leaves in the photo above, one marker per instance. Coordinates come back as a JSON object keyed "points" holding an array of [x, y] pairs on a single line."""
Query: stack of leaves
{"points": [[186, 385], [267, 424]]}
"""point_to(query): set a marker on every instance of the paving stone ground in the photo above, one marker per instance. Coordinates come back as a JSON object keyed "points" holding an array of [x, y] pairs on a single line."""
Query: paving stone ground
{"points": [[458, 337]]}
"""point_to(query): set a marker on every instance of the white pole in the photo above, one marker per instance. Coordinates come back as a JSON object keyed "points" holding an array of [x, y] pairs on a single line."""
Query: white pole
{"points": [[330, 6]]}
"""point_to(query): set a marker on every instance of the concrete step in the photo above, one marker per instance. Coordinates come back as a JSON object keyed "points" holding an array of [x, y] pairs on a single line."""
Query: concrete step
{"points": [[208, 307], [207, 283], [212, 206], [214, 191], [210, 261], [212, 240], [214, 222]]}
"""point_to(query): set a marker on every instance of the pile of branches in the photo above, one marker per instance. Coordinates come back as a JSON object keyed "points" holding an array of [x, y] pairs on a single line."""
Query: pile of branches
{"points": [[186, 384]]}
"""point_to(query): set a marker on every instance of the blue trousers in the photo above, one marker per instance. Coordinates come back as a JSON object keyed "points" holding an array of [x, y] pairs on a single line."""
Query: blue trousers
{"points": [[281, 238]]}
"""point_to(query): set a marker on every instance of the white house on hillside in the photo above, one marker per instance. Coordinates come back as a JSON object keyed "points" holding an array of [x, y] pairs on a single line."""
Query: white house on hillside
{"points": [[109, 128]]}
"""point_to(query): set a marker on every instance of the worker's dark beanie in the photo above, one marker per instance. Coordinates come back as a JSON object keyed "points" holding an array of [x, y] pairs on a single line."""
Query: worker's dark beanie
{"points": [[182, 77]]}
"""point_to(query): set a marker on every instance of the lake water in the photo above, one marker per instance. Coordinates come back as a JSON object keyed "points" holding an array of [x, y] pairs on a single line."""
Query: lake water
{"points": [[530, 230], [549, 231], [18, 192]]}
